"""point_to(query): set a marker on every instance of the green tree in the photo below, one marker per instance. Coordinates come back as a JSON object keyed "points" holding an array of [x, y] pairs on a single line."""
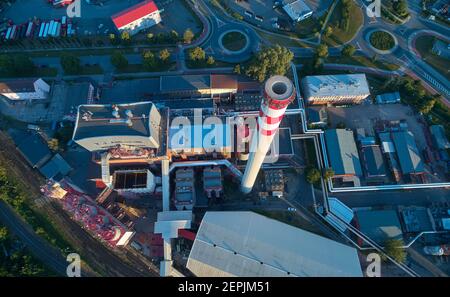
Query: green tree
{"points": [[150, 37], [426, 105], [348, 50], [328, 31], [70, 64], [237, 69], [119, 60], [4, 234], [322, 51], [7, 65], [268, 62], [149, 61], [400, 7], [312, 175], [174, 36], [164, 55], [188, 36], [210, 60], [328, 173], [197, 54], [125, 37], [394, 248], [53, 144]]}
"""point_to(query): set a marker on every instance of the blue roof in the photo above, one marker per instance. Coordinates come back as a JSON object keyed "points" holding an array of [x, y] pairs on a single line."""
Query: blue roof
{"points": [[34, 149], [407, 152], [57, 165], [199, 137], [374, 161]]}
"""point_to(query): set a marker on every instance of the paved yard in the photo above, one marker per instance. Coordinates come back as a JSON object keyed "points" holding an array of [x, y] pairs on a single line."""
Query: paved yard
{"points": [[96, 19], [364, 116]]}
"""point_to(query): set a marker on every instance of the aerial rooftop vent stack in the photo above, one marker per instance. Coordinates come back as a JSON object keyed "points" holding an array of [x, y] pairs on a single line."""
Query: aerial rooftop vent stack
{"points": [[279, 92], [129, 113], [115, 112]]}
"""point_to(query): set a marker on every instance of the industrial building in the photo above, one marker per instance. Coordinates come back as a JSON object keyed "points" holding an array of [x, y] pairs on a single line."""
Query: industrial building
{"points": [[138, 17], [439, 139], [342, 152], [246, 244], [297, 10], [184, 189], [379, 225], [24, 90], [335, 89], [200, 139], [101, 127], [408, 154], [373, 161], [212, 181], [388, 98]]}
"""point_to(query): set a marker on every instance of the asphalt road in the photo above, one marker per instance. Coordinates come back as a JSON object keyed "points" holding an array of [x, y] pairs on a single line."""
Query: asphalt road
{"points": [[420, 197]]}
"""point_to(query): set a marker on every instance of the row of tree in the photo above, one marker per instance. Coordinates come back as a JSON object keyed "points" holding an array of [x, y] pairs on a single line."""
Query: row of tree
{"points": [[150, 60], [171, 37], [15, 259], [16, 65]]}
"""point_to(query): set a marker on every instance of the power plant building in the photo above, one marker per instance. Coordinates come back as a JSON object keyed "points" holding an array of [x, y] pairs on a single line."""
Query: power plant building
{"points": [[335, 89], [102, 127]]}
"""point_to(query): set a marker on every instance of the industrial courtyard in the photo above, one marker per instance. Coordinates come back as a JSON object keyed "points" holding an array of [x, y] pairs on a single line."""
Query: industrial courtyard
{"points": [[225, 138]]}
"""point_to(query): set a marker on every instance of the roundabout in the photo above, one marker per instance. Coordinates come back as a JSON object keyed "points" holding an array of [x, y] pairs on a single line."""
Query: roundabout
{"points": [[381, 41], [234, 41]]}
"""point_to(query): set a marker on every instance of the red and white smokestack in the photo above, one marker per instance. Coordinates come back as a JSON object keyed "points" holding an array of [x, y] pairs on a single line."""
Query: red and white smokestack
{"points": [[278, 93]]}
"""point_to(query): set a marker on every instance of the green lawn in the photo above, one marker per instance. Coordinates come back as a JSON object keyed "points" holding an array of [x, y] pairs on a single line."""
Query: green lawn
{"points": [[424, 44], [281, 40], [382, 40], [234, 41], [38, 72], [91, 70], [340, 36], [362, 61], [202, 64], [134, 68]]}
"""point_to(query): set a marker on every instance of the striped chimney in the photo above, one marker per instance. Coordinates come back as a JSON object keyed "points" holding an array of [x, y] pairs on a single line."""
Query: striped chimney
{"points": [[278, 93]]}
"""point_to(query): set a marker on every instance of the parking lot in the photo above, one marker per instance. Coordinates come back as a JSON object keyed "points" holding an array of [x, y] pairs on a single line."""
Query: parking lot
{"points": [[365, 116], [265, 10], [96, 19]]}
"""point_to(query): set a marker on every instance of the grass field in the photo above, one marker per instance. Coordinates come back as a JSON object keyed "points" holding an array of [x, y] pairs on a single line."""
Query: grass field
{"points": [[340, 36], [234, 41], [363, 61], [424, 44]]}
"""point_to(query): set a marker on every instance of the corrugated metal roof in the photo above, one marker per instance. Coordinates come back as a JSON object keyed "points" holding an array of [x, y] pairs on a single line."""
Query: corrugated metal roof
{"points": [[244, 243], [342, 151], [374, 161], [407, 152], [438, 133]]}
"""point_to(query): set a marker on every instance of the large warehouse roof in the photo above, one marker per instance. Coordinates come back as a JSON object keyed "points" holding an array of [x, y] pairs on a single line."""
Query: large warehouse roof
{"points": [[342, 151], [96, 120], [407, 152], [244, 243], [335, 85]]}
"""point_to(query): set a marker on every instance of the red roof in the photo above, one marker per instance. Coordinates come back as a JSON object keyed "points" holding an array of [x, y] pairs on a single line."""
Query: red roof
{"points": [[134, 13], [186, 234]]}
